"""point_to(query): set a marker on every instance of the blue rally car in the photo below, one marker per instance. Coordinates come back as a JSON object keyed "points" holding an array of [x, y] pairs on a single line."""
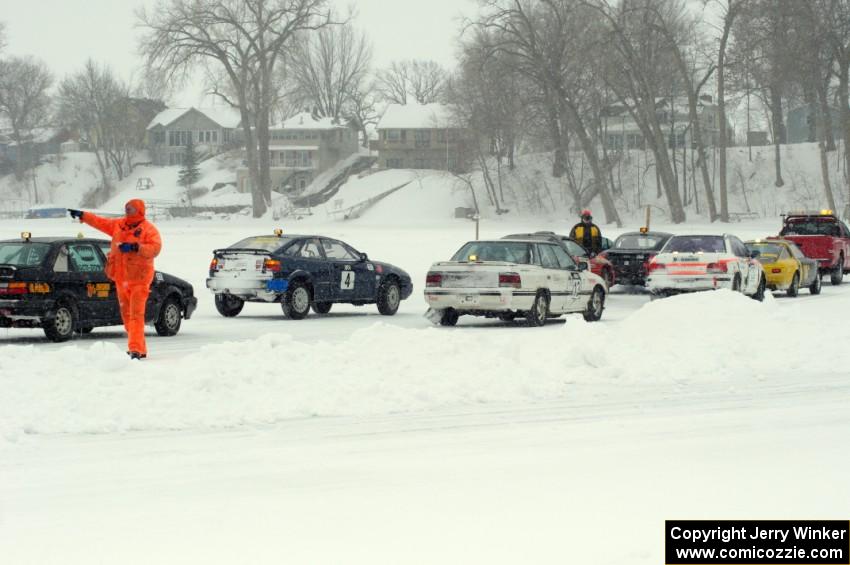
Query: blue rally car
{"points": [[300, 272]]}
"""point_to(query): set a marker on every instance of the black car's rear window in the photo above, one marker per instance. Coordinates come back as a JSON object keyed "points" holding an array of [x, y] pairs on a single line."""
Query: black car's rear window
{"points": [[263, 242], [639, 241], [23, 254]]}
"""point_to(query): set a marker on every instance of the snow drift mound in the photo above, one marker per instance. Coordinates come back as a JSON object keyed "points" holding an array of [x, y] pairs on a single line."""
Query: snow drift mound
{"points": [[719, 340]]}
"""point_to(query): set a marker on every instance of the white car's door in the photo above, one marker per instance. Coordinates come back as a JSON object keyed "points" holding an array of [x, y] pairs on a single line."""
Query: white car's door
{"points": [[749, 275], [556, 278], [574, 277]]}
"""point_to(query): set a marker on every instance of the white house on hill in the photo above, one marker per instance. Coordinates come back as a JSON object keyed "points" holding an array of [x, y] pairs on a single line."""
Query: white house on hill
{"points": [[212, 130], [417, 136], [301, 148]]}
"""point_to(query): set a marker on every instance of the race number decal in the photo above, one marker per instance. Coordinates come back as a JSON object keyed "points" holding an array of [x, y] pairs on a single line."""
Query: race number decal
{"points": [[347, 280], [576, 282]]}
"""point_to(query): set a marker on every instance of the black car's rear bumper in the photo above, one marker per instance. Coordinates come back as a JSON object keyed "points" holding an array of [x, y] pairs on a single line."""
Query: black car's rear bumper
{"points": [[629, 276], [25, 313]]}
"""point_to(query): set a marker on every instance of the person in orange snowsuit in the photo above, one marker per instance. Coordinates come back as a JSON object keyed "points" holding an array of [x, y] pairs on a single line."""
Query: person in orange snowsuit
{"points": [[135, 244]]}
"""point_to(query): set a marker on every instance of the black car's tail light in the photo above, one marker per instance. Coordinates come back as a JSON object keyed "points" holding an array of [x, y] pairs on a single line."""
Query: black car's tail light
{"points": [[13, 288]]}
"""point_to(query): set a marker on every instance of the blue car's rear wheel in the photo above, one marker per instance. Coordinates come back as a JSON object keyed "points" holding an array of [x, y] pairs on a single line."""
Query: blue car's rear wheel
{"points": [[296, 301], [389, 298]]}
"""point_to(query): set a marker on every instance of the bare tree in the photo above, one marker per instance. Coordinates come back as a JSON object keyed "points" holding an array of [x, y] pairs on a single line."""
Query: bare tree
{"points": [[97, 102], [488, 81], [363, 111], [764, 28], [684, 44], [391, 83], [639, 70], [24, 83], [328, 70], [2, 36], [243, 40], [548, 43], [731, 9], [815, 73], [420, 81], [837, 14]]}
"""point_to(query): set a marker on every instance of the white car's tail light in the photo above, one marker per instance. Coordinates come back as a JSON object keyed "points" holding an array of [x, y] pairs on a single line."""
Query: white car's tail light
{"points": [[512, 280], [271, 265], [717, 268], [434, 279]]}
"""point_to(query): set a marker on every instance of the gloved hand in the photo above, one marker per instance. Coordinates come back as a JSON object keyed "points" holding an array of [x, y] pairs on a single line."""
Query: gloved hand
{"points": [[128, 247], [76, 214]]}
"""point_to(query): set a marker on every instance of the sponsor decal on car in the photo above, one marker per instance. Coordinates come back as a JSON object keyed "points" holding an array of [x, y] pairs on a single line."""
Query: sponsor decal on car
{"points": [[98, 290]]}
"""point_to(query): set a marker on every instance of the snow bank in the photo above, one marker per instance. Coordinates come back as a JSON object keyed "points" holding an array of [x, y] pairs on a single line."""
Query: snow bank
{"points": [[718, 339]]}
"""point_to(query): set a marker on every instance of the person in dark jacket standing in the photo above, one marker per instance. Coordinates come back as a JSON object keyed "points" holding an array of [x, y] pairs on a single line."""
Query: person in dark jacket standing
{"points": [[587, 234]]}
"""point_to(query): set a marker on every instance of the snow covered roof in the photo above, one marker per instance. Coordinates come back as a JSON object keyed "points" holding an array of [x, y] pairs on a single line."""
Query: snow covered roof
{"points": [[224, 116], [416, 116], [305, 120]]}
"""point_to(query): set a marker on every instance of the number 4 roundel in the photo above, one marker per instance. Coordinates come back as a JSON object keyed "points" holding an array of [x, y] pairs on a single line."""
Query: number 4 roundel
{"points": [[347, 280]]}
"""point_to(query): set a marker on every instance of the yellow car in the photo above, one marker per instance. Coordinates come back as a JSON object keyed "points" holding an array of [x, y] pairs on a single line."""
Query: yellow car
{"points": [[785, 266]]}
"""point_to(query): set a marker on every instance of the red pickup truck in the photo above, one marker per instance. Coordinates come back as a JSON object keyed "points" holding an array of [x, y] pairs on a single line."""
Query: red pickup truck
{"points": [[823, 237]]}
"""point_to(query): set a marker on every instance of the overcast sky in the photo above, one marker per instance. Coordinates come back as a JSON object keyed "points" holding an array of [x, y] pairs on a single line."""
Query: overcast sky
{"points": [[64, 33]]}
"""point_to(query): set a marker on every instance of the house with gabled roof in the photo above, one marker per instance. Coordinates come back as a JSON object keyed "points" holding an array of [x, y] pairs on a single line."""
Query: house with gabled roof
{"points": [[418, 136], [620, 131], [301, 148], [212, 130]]}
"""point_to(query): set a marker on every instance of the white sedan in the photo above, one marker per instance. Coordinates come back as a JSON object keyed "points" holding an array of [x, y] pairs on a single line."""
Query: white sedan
{"points": [[510, 278], [691, 263]]}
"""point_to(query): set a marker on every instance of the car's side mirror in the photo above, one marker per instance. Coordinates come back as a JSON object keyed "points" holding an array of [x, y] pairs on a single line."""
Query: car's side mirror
{"points": [[364, 257], [582, 266]]}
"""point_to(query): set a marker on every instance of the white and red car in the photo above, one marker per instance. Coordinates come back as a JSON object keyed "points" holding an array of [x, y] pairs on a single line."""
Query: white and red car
{"points": [[509, 278], [691, 263]]}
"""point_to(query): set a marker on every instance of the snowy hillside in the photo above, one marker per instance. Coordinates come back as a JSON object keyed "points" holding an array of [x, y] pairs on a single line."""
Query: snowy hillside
{"points": [[63, 182], [528, 191], [66, 180]]}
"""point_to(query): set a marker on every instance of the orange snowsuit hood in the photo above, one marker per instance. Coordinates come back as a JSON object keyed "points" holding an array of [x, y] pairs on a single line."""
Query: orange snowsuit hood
{"points": [[139, 206]]}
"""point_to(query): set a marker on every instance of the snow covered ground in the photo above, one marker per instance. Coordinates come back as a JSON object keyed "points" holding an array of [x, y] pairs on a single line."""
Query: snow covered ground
{"points": [[357, 438]]}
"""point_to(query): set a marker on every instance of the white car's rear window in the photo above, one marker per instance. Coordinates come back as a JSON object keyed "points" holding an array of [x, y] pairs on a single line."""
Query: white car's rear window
{"points": [[507, 251], [695, 244]]}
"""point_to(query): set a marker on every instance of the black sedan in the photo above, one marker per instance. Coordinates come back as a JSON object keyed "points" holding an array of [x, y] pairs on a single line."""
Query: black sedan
{"points": [[300, 272], [631, 252], [59, 284]]}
